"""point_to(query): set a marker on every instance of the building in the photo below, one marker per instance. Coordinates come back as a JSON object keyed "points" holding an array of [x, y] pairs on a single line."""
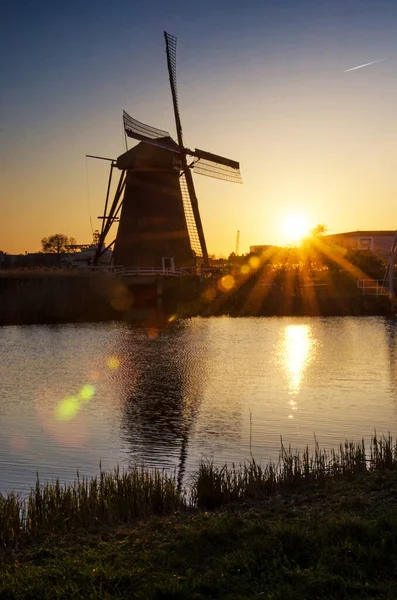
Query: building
{"points": [[378, 242], [260, 249]]}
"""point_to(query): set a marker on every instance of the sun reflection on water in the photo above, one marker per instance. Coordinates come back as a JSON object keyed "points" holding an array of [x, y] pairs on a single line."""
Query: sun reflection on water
{"points": [[297, 352]]}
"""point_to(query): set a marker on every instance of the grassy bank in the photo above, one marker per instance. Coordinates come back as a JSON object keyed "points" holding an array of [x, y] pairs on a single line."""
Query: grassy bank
{"points": [[308, 527]]}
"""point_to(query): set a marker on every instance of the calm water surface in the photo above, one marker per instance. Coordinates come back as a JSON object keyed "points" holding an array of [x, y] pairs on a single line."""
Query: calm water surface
{"points": [[72, 396]]}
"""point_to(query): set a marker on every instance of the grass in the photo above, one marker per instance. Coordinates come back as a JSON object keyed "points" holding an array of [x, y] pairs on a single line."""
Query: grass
{"points": [[308, 527]]}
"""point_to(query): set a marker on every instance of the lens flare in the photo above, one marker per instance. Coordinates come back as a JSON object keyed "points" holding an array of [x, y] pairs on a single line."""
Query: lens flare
{"points": [[254, 262], [19, 443], [67, 408], [122, 299], [245, 269], [87, 392], [94, 375], [209, 294], [171, 318], [226, 283], [113, 363]]}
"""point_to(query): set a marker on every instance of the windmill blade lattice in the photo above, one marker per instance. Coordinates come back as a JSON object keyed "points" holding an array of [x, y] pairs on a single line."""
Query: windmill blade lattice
{"points": [[170, 42], [189, 216], [217, 171], [218, 167], [137, 127], [190, 199], [146, 133]]}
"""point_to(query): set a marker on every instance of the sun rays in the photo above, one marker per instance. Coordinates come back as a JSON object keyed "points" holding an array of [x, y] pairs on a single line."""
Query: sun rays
{"points": [[286, 281]]}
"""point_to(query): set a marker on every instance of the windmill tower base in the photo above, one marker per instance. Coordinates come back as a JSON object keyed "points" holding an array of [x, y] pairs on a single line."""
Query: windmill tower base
{"points": [[152, 231]]}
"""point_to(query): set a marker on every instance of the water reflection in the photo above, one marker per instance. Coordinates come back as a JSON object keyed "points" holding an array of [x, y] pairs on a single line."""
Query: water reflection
{"points": [[297, 350], [161, 379], [74, 396], [391, 341]]}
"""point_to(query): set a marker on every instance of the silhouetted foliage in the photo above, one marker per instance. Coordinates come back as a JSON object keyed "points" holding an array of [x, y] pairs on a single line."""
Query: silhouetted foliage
{"points": [[319, 230], [371, 264], [57, 243]]}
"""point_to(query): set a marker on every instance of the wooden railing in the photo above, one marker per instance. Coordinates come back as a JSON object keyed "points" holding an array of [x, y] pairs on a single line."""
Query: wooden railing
{"points": [[120, 271], [372, 287], [150, 272]]}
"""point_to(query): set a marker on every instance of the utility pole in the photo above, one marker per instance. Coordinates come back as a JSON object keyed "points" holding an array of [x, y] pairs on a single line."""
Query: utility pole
{"points": [[388, 281], [392, 260], [237, 242]]}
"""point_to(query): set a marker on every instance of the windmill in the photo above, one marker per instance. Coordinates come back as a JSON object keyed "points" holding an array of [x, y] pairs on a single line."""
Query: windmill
{"points": [[159, 215]]}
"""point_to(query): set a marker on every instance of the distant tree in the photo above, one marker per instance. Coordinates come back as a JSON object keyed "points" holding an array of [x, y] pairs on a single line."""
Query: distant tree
{"points": [[57, 243], [317, 249], [319, 230], [370, 263]]}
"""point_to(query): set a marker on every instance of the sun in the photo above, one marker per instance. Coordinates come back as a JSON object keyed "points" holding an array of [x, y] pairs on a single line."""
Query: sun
{"points": [[295, 227]]}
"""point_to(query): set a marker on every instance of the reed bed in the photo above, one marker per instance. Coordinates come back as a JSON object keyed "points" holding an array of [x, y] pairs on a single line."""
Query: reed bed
{"points": [[108, 499], [120, 497], [34, 272], [214, 486]]}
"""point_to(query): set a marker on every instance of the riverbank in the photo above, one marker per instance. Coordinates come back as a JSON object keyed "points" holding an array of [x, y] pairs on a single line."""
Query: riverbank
{"points": [[318, 527], [327, 541], [34, 297], [40, 297]]}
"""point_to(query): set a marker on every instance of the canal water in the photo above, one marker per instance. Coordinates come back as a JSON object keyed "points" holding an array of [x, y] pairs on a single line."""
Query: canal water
{"points": [[73, 397]]}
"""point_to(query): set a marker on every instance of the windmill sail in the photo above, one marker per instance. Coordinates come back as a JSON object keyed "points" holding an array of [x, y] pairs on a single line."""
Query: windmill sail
{"points": [[146, 133], [215, 158], [170, 44], [156, 199], [190, 220], [211, 169], [190, 198], [216, 166]]}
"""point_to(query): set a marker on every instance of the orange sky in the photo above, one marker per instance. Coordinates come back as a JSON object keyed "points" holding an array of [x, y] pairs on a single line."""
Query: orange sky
{"points": [[311, 139]]}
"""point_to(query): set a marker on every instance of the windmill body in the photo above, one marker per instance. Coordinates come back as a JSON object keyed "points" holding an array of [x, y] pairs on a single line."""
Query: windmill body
{"points": [[159, 222], [152, 228]]}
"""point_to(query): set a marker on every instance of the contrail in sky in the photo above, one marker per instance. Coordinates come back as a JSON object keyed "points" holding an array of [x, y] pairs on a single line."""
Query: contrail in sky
{"points": [[366, 65]]}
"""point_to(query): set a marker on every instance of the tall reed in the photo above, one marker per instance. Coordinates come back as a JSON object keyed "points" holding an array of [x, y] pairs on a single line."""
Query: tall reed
{"points": [[213, 486], [110, 499], [120, 497]]}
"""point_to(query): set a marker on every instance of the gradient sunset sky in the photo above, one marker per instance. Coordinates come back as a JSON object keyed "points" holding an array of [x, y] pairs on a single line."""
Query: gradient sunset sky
{"points": [[262, 82]]}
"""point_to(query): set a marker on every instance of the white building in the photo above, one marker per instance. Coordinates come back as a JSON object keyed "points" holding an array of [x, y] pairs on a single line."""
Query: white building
{"points": [[378, 242]]}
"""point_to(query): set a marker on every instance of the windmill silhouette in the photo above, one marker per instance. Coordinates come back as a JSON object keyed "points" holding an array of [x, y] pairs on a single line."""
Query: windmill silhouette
{"points": [[159, 222]]}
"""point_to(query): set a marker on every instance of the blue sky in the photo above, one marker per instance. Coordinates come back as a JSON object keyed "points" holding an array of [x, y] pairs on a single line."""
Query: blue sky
{"points": [[260, 82]]}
